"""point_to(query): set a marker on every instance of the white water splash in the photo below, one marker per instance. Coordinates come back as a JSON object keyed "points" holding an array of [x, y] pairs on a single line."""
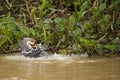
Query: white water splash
{"points": [[51, 57]]}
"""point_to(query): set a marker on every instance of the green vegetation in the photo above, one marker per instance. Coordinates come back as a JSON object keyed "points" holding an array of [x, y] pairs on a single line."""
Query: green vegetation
{"points": [[76, 26]]}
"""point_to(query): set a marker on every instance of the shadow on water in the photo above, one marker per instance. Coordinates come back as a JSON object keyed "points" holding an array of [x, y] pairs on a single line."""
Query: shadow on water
{"points": [[59, 67]]}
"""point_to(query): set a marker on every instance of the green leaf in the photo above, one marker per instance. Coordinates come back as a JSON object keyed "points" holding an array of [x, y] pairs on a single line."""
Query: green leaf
{"points": [[105, 19], [3, 39], [82, 10], [45, 37], [32, 31], [59, 24], [111, 47], [102, 6], [87, 42], [95, 12], [60, 27], [25, 30], [48, 21], [2, 26], [58, 20], [11, 26], [42, 7], [84, 6], [87, 25], [116, 2], [33, 10], [72, 20], [5, 32], [76, 32]]}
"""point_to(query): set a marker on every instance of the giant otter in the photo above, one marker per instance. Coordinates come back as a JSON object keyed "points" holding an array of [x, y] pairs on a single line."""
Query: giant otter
{"points": [[30, 49]]}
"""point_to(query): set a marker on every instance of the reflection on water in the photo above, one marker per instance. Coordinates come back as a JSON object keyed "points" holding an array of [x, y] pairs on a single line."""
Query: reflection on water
{"points": [[59, 67]]}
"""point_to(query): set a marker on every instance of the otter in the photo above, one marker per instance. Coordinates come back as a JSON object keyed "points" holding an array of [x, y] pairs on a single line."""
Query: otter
{"points": [[30, 49]]}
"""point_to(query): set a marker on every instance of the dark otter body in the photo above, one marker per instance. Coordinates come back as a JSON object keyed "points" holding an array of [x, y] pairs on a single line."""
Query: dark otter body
{"points": [[32, 52], [37, 52]]}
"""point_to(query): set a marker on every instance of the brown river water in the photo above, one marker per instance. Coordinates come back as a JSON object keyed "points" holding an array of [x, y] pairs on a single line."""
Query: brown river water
{"points": [[59, 67]]}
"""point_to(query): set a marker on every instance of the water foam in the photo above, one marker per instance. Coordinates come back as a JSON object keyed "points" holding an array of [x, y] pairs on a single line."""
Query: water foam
{"points": [[51, 57]]}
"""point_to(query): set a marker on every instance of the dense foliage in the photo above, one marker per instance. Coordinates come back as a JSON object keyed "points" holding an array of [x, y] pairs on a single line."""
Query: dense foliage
{"points": [[65, 26]]}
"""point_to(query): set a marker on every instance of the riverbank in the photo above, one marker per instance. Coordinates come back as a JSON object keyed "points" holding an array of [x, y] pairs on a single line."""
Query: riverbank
{"points": [[90, 27]]}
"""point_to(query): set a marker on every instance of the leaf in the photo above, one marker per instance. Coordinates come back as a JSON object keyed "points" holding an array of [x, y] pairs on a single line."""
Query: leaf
{"points": [[82, 10], [27, 31], [60, 27], [87, 25], [11, 27], [48, 21], [32, 31], [116, 2], [102, 6], [87, 42], [62, 39], [111, 47], [33, 10], [5, 32], [95, 12], [84, 6], [59, 24], [58, 20], [18, 34], [44, 32], [71, 22], [42, 7], [115, 41], [72, 19], [3, 39], [76, 32], [2, 26], [105, 19]]}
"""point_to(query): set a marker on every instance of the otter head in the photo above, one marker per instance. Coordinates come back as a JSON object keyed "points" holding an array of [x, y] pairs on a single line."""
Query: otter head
{"points": [[32, 43]]}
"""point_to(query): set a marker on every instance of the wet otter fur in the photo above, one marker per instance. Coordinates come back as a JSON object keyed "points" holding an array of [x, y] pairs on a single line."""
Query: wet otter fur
{"points": [[30, 49]]}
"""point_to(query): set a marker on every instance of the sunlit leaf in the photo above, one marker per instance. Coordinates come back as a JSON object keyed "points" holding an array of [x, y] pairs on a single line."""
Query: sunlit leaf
{"points": [[33, 10], [102, 6]]}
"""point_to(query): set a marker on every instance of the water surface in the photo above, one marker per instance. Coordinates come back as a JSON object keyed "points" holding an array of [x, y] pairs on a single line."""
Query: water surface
{"points": [[59, 67]]}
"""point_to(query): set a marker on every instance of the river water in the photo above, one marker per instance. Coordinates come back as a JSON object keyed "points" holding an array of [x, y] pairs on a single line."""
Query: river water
{"points": [[59, 67]]}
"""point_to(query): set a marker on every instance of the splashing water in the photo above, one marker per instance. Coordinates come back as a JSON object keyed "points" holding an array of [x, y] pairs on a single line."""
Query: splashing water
{"points": [[51, 57]]}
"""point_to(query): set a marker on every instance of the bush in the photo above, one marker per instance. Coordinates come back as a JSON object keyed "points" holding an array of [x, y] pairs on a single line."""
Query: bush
{"points": [[76, 26]]}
